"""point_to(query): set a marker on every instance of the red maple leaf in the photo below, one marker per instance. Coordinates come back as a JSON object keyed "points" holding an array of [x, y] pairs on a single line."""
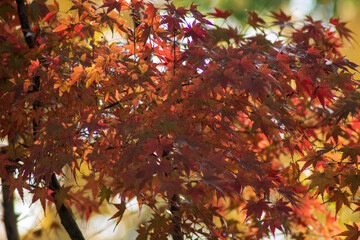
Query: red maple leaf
{"points": [[256, 208], [341, 28], [42, 194], [114, 4], [254, 20], [221, 14], [352, 233]]}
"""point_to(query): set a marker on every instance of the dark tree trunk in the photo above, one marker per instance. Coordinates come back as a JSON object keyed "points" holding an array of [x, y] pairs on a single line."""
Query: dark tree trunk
{"points": [[66, 217], [176, 218], [10, 218], [25, 24]]}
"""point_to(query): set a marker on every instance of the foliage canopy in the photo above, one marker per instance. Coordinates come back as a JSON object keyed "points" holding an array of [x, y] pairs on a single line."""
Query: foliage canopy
{"points": [[239, 135]]}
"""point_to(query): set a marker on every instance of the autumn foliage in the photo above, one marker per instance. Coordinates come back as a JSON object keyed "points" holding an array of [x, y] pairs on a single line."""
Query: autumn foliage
{"points": [[225, 135]]}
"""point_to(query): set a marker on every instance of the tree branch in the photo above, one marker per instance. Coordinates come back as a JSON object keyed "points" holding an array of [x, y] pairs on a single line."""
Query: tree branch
{"points": [[67, 219], [25, 24], [176, 218], [10, 218]]}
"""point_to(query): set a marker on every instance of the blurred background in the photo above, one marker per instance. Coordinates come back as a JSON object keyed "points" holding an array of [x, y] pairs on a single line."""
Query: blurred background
{"points": [[34, 225], [346, 10]]}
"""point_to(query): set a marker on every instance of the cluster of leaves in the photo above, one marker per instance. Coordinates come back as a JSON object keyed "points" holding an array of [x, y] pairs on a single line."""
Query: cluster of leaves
{"points": [[327, 8], [184, 112]]}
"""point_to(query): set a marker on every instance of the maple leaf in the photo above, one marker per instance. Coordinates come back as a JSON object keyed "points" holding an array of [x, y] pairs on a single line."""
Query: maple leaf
{"points": [[114, 4], [120, 212], [151, 14], [6, 164], [322, 92], [34, 67], [273, 223], [350, 151], [92, 76], [50, 17], [217, 233], [198, 15], [61, 28], [308, 85], [61, 195], [78, 28], [341, 28], [254, 20], [213, 181], [351, 180], [346, 106], [220, 14], [323, 180], [281, 19], [289, 192], [340, 198], [313, 158], [352, 233], [256, 208], [196, 32], [256, 85], [76, 75], [16, 183], [357, 203], [282, 207], [42, 194], [179, 12], [105, 193]]}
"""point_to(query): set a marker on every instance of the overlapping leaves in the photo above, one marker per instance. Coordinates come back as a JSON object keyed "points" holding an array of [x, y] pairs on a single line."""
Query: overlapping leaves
{"points": [[187, 109]]}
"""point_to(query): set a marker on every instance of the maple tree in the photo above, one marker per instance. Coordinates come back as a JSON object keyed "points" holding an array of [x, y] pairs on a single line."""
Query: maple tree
{"points": [[238, 135]]}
